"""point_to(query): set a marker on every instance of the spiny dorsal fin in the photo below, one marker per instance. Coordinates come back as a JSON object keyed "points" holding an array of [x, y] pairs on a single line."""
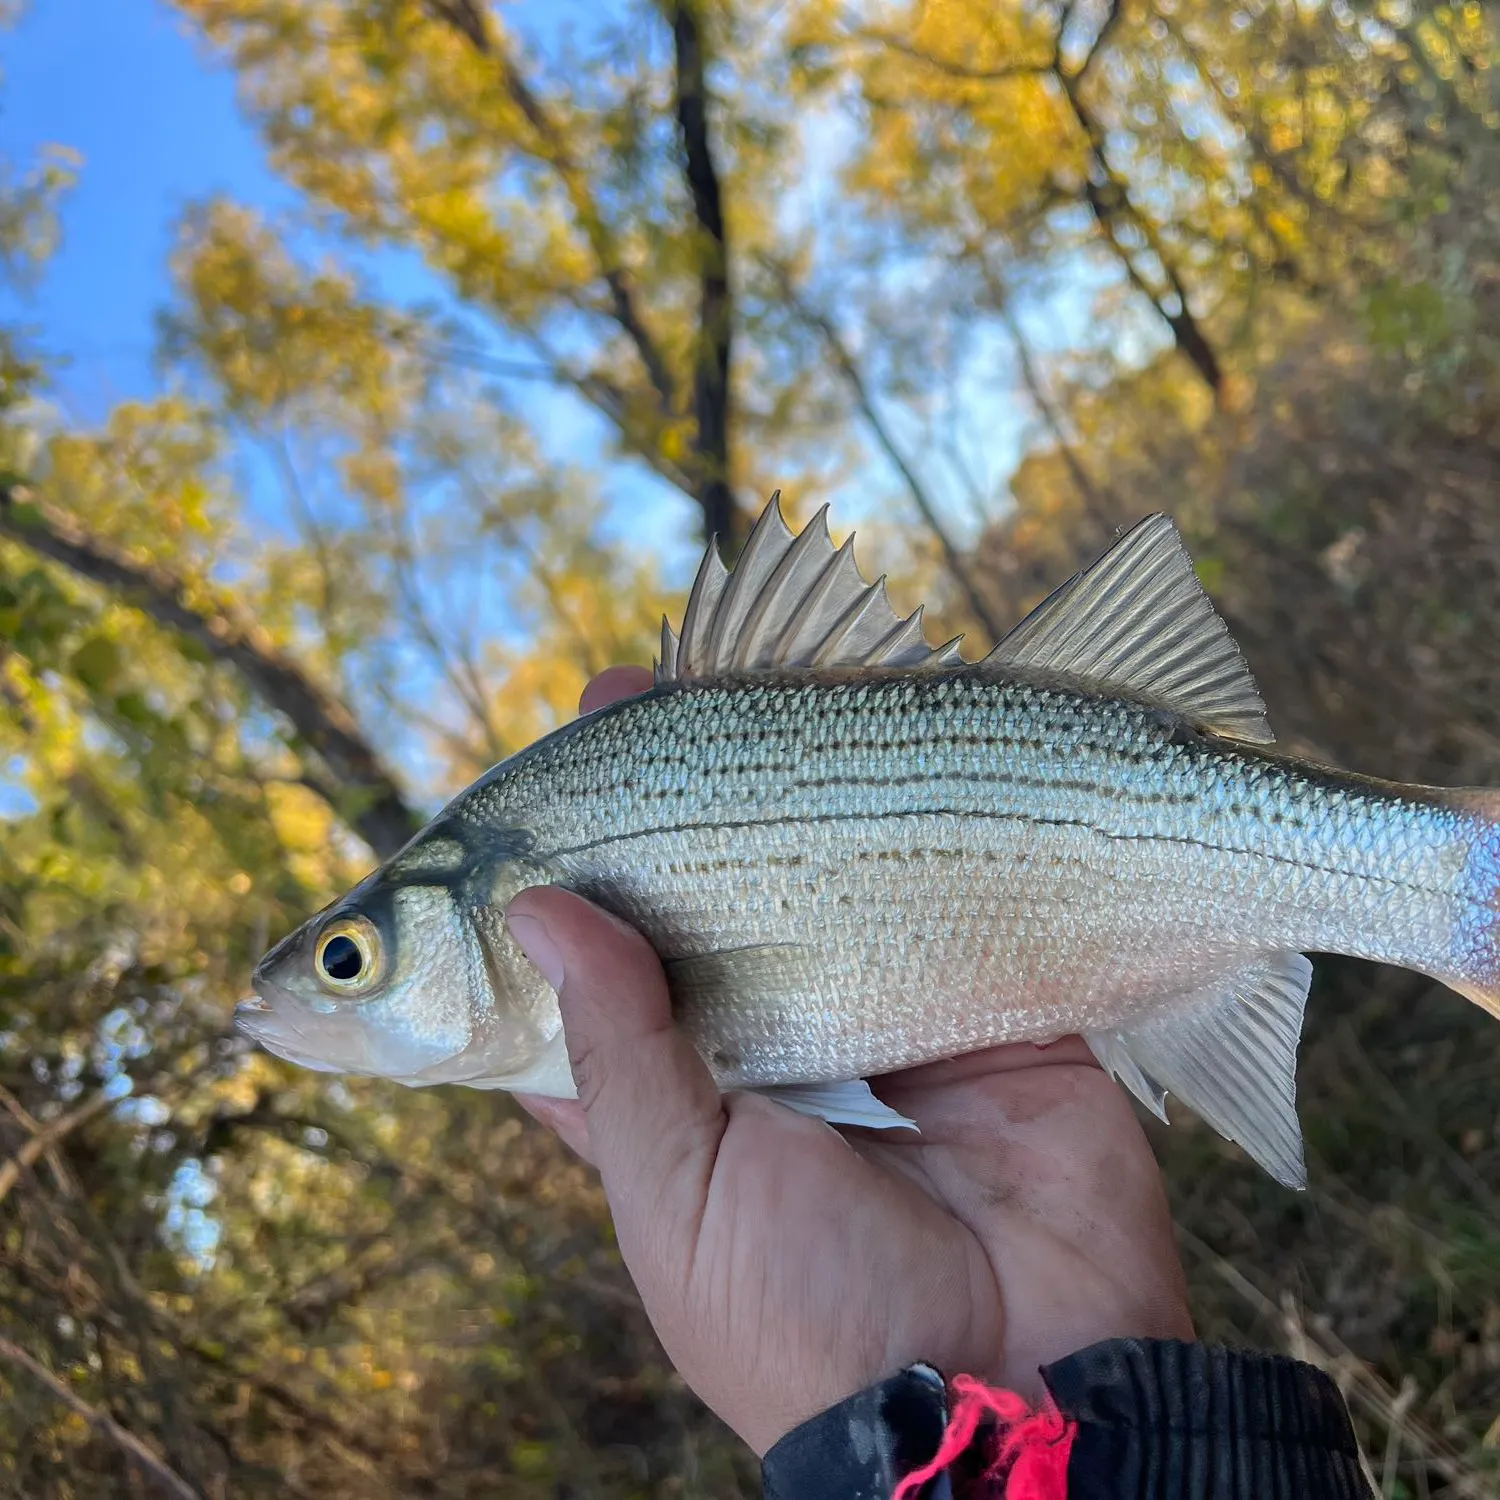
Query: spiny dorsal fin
{"points": [[791, 601], [1138, 621]]}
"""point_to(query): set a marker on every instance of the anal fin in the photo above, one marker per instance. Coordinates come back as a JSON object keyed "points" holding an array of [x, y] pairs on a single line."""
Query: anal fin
{"points": [[1486, 997], [1113, 1051], [851, 1103], [1229, 1052]]}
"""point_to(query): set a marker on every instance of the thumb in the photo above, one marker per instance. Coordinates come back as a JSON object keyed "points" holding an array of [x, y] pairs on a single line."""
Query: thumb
{"points": [[655, 1115]]}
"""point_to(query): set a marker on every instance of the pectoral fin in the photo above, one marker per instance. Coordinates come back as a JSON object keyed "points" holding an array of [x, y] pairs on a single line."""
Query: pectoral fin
{"points": [[1229, 1052], [743, 975], [850, 1103]]}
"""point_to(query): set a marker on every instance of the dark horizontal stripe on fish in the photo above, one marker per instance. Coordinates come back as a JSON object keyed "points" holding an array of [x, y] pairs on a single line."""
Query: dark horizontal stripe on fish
{"points": [[927, 777], [748, 737], [739, 825], [1005, 778], [1274, 815], [858, 856], [751, 735]]}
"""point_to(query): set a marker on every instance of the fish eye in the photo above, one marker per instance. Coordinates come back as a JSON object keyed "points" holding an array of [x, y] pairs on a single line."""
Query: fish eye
{"points": [[348, 954]]}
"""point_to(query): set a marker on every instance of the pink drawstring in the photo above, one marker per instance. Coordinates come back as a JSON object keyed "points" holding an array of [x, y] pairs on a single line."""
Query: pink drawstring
{"points": [[1031, 1447]]}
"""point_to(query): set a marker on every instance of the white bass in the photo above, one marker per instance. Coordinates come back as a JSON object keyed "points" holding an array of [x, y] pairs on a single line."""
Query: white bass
{"points": [[855, 853]]}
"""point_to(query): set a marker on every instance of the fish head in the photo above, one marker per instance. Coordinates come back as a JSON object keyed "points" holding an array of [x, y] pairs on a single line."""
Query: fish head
{"points": [[413, 975]]}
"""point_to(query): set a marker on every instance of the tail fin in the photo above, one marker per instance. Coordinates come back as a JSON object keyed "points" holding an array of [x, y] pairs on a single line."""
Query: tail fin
{"points": [[1476, 944]]}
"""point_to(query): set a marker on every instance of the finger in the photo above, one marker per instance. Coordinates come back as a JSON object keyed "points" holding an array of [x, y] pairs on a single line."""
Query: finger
{"points": [[655, 1116], [564, 1118], [612, 684]]}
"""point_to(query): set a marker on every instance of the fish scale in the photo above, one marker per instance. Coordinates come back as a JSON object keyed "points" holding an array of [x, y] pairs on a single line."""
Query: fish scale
{"points": [[854, 853]]}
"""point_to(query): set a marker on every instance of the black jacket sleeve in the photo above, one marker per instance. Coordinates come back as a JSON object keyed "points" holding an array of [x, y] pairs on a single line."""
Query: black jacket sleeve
{"points": [[1156, 1419], [863, 1447]]}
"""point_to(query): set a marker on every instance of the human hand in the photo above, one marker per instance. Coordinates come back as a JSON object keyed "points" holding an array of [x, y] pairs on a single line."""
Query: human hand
{"points": [[786, 1265]]}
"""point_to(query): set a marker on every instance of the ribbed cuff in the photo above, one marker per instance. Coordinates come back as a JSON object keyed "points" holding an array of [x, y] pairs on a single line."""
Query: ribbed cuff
{"points": [[1163, 1420]]}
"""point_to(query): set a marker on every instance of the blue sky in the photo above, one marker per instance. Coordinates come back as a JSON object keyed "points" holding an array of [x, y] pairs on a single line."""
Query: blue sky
{"points": [[156, 125]]}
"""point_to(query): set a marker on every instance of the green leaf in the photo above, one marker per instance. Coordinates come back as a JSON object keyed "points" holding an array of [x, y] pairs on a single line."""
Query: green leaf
{"points": [[96, 663], [23, 513], [194, 650], [134, 708]]}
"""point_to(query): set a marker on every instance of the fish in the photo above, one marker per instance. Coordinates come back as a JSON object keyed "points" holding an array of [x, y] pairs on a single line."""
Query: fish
{"points": [[855, 852]]}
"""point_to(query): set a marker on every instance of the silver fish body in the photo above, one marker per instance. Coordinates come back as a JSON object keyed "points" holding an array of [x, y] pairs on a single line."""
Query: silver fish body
{"points": [[894, 868], [855, 853]]}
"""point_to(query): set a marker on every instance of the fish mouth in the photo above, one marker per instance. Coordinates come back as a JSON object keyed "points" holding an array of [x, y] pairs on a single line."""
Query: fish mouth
{"points": [[252, 1016], [257, 1018], [277, 1031]]}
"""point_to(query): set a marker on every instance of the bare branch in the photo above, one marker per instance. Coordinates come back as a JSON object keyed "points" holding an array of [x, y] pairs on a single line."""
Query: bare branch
{"points": [[359, 786], [1245, 121], [453, 660], [606, 397], [44, 1138], [721, 517], [1109, 201], [166, 1479], [543, 575], [291, 482], [466, 18], [1102, 512], [706, 478], [1092, 499], [60, 1174], [1187, 332], [820, 321], [484, 363]]}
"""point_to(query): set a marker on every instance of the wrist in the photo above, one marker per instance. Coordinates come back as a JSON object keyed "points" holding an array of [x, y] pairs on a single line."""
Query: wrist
{"points": [[1085, 1323]]}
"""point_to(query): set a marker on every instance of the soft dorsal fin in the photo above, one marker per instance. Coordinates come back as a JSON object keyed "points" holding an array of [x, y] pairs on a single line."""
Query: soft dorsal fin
{"points": [[791, 601], [1138, 621]]}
